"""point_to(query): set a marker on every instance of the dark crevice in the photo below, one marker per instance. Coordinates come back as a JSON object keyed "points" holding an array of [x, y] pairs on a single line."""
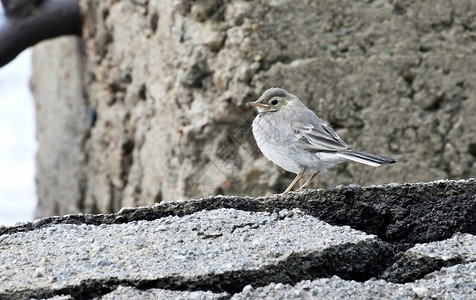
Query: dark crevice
{"points": [[195, 74], [92, 116], [83, 188], [206, 236], [158, 197], [472, 149], [242, 225], [127, 160], [112, 199], [436, 104], [399, 9], [154, 21], [407, 269], [143, 92]]}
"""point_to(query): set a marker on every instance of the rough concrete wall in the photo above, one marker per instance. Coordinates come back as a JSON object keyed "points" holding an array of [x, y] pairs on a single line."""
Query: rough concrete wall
{"points": [[62, 126], [169, 80]]}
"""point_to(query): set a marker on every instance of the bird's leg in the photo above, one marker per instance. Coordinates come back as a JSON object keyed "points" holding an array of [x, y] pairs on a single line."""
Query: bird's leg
{"points": [[308, 181], [294, 182]]}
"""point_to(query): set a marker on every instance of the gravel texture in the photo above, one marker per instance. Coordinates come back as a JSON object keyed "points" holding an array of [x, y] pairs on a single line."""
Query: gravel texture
{"points": [[270, 247], [462, 246], [220, 250], [425, 258], [457, 282]]}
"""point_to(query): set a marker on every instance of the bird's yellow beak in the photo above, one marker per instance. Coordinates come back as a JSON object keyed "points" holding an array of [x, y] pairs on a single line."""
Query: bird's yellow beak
{"points": [[257, 104]]}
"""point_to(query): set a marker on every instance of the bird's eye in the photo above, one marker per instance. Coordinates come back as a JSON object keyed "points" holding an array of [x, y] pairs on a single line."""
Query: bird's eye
{"points": [[274, 102]]}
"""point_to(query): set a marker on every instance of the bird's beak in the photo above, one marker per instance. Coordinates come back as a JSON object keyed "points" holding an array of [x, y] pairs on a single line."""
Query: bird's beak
{"points": [[257, 104]]}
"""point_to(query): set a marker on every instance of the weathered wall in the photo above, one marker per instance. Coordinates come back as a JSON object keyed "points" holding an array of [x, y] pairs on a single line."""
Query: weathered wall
{"points": [[62, 126], [169, 79]]}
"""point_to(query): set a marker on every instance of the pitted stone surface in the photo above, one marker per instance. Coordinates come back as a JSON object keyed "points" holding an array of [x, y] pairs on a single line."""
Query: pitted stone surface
{"points": [[457, 282], [425, 258], [226, 246], [461, 246], [242, 245]]}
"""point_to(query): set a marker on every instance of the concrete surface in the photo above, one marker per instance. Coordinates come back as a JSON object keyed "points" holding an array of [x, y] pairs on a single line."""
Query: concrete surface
{"points": [[250, 248]]}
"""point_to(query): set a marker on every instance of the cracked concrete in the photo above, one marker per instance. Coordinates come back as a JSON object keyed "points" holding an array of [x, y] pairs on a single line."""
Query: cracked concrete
{"points": [[246, 248], [455, 282], [405, 214], [208, 250], [422, 259]]}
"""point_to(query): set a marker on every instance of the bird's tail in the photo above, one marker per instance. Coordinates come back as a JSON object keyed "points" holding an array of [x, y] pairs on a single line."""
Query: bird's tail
{"points": [[366, 158]]}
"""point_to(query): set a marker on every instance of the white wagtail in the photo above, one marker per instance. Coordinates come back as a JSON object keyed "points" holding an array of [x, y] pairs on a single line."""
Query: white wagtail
{"points": [[293, 137]]}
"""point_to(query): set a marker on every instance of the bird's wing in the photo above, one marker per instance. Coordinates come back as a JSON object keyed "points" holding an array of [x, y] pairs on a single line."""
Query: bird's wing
{"points": [[320, 137]]}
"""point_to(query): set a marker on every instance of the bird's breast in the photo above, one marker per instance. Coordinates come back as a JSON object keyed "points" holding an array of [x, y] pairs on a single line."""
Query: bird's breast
{"points": [[277, 141]]}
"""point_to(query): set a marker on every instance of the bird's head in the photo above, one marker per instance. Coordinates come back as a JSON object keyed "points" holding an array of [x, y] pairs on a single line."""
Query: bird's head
{"points": [[274, 99]]}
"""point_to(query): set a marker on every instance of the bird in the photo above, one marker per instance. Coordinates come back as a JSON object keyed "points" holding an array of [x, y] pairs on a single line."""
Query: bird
{"points": [[293, 137]]}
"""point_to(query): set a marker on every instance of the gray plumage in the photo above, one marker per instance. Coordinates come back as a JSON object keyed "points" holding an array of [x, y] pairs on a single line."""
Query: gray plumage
{"points": [[296, 139]]}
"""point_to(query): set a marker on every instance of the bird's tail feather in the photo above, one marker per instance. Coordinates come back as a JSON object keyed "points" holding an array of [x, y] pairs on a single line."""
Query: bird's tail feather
{"points": [[366, 158]]}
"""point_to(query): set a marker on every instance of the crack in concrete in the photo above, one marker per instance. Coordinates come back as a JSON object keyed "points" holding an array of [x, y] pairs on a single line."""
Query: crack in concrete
{"points": [[360, 261], [412, 270], [401, 215], [398, 214]]}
